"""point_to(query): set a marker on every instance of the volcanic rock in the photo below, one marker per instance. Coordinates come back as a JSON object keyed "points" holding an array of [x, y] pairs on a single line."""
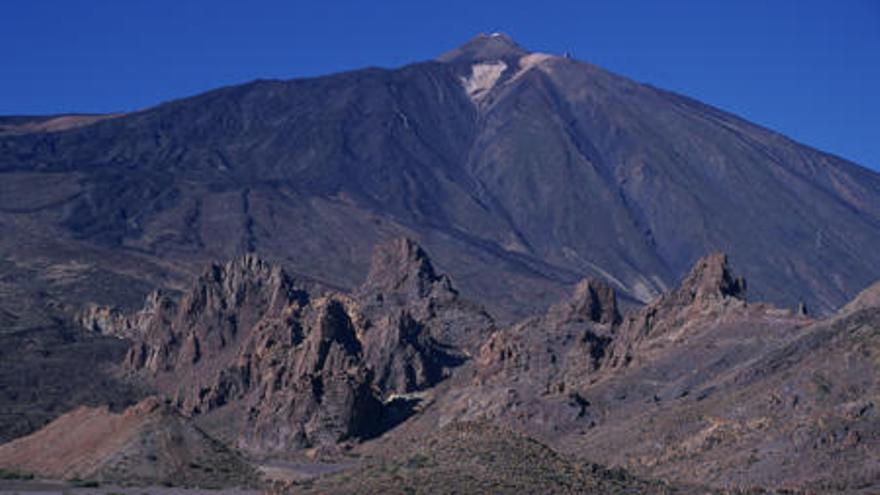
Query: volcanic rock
{"points": [[710, 292], [401, 271], [307, 366], [748, 399], [247, 333], [489, 155], [593, 300], [416, 326], [148, 443], [314, 391], [528, 375], [868, 298]]}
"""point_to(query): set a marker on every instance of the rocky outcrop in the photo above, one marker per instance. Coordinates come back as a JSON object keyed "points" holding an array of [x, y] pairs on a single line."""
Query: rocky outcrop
{"points": [[744, 396], [709, 292], [537, 374], [108, 321], [593, 300], [868, 298], [697, 387], [709, 280], [559, 350], [529, 375], [309, 366], [578, 336], [404, 355], [416, 327], [400, 271], [311, 392], [247, 334], [209, 319]]}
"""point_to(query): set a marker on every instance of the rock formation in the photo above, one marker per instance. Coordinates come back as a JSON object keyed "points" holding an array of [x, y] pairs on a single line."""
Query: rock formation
{"points": [[416, 327], [306, 383], [868, 298], [309, 366], [248, 334], [710, 292], [523, 173], [698, 386], [561, 348]]}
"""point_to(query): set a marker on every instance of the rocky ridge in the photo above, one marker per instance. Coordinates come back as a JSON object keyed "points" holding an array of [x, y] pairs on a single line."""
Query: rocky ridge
{"points": [[308, 367], [699, 386], [680, 389]]}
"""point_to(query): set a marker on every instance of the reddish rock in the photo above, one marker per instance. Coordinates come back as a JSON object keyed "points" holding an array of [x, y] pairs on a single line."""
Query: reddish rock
{"points": [[416, 327], [308, 365]]}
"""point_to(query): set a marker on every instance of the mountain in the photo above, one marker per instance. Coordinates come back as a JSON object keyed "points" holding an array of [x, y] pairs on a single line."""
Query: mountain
{"points": [[522, 172], [526, 176]]}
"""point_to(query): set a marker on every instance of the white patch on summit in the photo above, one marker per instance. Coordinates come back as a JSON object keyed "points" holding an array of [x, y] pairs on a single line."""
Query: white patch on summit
{"points": [[528, 61], [482, 79], [531, 60]]}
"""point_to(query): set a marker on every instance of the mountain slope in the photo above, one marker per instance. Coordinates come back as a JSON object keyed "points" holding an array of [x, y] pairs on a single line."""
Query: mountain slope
{"points": [[700, 386], [481, 458], [521, 172], [148, 443], [761, 401]]}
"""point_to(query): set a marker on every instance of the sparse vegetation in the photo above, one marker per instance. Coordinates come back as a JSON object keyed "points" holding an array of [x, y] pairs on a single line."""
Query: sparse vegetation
{"points": [[482, 458], [81, 483], [14, 475]]}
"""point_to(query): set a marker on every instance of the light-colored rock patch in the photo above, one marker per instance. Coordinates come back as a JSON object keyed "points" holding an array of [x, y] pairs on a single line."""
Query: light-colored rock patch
{"points": [[482, 79]]}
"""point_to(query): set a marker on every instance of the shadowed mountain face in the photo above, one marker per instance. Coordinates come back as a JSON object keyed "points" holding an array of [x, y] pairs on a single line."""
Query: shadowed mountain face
{"points": [[523, 172]]}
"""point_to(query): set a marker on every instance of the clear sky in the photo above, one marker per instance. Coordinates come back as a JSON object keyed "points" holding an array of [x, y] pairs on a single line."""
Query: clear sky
{"points": [[809, 69]]}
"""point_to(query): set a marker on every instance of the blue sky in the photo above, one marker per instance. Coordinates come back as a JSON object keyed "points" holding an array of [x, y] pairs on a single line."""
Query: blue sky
{"points": [[808, 69]]}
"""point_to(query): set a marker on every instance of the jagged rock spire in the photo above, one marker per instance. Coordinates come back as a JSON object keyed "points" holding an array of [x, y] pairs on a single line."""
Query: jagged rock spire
{"points": [[402, 267], [592, 300], [709, 290], [712, 278]]}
